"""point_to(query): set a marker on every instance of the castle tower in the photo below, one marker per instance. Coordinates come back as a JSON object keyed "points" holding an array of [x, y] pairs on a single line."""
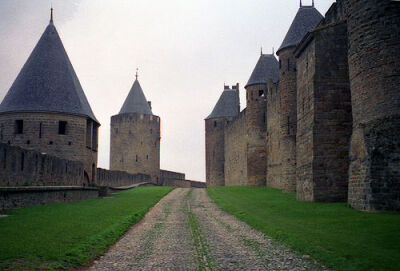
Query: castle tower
{"points": [[224, 111], [374, 69], [307, 18], [266, 68], [46, 109], [135, 136]]}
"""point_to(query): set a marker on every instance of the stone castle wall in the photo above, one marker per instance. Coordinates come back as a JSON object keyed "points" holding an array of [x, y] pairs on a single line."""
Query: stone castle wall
{"points": [[135, 144], [40, 132], [374, 69], [236, 151], [215, 151], [272, 142], [323, 114], [114, 178], [288, 118], [255, 129], [20, 167]]}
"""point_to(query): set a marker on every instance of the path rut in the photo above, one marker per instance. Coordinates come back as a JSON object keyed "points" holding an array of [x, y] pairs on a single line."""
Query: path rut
{"points": [[187, 231]]}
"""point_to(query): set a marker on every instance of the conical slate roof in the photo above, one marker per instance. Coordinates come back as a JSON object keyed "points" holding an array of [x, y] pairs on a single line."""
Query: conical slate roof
{"points": [[266, 68], [227, 105], [136, 101], [47, 81], [307, 18]]}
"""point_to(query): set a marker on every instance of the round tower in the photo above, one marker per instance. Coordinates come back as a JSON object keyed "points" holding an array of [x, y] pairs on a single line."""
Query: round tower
{"points": [[46, 109], [266, 68], [307, 18], [135, 137], [374, 71], [226, 108]]}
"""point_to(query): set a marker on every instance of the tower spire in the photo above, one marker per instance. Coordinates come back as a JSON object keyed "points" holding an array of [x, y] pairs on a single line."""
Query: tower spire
{"points": [[137, 69], [313, 3], [51, 14], [301, 4]]}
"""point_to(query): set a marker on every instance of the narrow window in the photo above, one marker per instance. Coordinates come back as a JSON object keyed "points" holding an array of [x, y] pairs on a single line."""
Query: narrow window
{"points": [[40, 130], [280, 63], [1, 132], [62, 127], [19, 126], [22, 161], [136, 158], [215, 124], [147, 157], [151, 131]]}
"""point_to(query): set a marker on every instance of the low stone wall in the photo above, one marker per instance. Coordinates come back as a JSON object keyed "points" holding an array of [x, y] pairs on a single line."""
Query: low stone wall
{"points": [[114, 178], [196, 184], [177, 179], [21, 167], [17, 197]]}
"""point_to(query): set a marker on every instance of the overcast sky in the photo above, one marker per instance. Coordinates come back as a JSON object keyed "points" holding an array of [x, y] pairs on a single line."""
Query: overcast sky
{"points": [[185, 51]]}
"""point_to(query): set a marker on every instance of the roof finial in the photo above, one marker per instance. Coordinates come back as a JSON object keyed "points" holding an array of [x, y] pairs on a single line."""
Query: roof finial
{"points": [[273, 50], [51, 14], [312, 2], [137, 69], [301, 4], [261, 50]]}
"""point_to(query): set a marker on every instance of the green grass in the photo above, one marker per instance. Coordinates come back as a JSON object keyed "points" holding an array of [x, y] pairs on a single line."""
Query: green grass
{"points": [[339, 237], [63, 235]]}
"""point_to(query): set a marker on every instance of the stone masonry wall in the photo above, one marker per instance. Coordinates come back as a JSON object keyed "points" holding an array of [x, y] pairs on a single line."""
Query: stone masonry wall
{"points": [[374, 69], [324, 115], [288, 118], [20, 167], [236, 151], [135, 144], [18, 197], [256, 129], [272, 143], [215, 151], [114, 178], [40, 132]]}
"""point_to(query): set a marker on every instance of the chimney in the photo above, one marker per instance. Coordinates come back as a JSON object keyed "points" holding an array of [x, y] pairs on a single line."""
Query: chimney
{"points": [[149, 104], [238, 96]]}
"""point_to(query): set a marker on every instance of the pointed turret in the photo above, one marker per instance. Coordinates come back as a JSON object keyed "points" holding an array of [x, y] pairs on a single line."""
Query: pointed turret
{"points": [[47, 81], [136, 101], [307, 18], [227, 105], [266, 68]]}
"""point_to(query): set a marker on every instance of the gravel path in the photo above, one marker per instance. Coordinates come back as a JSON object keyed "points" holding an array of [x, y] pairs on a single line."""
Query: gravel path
{"points": [[187, 231]]}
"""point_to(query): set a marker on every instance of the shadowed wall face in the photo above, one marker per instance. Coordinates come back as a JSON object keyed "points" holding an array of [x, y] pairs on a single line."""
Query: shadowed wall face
{"points": [[374, 69], [288, 118], [324, 116], [255, 122], [215, 151], [135, 144], [274, 163]]}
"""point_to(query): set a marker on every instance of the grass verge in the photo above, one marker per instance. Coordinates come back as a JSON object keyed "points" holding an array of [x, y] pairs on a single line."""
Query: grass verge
{"points": [[63, 235], [339, 237]]}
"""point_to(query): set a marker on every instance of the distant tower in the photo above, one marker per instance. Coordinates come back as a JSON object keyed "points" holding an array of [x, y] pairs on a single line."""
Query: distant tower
{"points": [[225, 110], [135, 136], [46, 108], [374, 71], [266, 68], [307, 18]]}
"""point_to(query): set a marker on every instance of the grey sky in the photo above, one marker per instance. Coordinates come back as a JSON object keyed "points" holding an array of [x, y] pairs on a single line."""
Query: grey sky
{"points": [[185, 51]]}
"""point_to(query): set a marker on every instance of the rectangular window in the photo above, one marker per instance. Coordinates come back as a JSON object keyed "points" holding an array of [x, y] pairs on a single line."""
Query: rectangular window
{"points": [[40, 130], [62, 127], [19, 126]]}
